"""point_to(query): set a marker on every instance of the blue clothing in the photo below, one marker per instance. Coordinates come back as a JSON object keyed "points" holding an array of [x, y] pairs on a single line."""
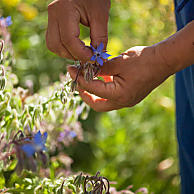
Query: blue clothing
{"points": [[184, 11]]}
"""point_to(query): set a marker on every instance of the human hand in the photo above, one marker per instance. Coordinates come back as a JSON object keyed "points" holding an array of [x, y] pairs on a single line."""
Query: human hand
{"points": [[137, 72], [64, 17], [134, 75]]}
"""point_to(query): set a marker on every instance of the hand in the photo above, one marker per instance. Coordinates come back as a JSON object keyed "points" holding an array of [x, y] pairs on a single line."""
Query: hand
{"points": [[135, 74], [64, 17]]}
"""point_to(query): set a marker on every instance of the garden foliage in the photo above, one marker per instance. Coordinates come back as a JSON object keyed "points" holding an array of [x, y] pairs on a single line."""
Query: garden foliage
{"points": [[34, 131], [131, 146]]}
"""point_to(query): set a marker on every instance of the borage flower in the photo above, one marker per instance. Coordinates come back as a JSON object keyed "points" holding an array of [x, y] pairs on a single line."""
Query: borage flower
{"points": [[99, 55], [5, 22], [37, 145]]}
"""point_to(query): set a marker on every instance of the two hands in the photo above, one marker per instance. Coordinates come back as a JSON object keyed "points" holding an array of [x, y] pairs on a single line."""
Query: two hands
{"points": [[134, 74]]}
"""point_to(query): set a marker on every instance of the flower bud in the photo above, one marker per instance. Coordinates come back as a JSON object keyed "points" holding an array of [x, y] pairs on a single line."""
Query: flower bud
{"points": [[73, 86], [63, 97], [85, 111], [2, 82], [1, 57], [71, 104], [1, 50]]}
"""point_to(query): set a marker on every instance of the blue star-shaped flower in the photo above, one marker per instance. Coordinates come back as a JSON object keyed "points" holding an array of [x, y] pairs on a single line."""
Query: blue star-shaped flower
{"points": [[6, 21], [37, 145], [99, 54]]}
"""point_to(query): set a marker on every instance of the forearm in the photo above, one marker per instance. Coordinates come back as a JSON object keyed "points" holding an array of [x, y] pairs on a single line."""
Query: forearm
{"points": [[178, 50]]}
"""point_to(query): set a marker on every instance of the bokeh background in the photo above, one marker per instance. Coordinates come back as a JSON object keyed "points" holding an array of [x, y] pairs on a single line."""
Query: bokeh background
{"points": [[135, 146]]}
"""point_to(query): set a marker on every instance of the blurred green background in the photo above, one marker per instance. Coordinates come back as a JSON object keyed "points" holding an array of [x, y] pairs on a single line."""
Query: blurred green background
{"points": [[134, 146]]}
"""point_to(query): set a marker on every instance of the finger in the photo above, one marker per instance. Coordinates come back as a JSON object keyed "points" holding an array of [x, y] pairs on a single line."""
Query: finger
{"points": [[109, 90], [69, 32], [99, 23], [99, 31], [112, 67], [53, 37], [98, 104]]}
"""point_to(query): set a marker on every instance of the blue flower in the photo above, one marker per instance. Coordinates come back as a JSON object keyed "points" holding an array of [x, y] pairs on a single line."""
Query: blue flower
{"points": [[37, 145], [6, 21], [99, 54]]}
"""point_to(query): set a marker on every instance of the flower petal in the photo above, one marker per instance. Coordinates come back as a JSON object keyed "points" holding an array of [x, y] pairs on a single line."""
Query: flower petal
{"points": [[8, 21], [105, 55], [28, 149], [93, 58], [38, 138], [44, 138], [100, 61], [100, 47], [93, 49]]}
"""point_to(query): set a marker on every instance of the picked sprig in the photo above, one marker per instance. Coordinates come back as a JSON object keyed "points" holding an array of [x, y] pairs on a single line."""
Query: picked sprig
{"points": [[91, 68]]}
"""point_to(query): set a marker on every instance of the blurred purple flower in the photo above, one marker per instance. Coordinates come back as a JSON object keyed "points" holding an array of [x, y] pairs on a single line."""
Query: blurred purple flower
{"points": [[67, 134], [99, 54], [37, 145], [61, 136], [5, 22], [72, 134]]}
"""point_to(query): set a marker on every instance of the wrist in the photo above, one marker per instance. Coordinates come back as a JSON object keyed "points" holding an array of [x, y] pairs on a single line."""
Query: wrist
{"points": [[177, 51], [166, 60], [159, 66]]}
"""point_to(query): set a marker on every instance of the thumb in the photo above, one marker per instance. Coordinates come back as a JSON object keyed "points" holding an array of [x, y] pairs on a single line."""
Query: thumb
{"points": [[112, 67]]}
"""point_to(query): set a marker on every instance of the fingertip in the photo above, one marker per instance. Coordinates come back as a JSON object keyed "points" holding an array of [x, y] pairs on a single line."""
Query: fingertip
{"points": [[96, 42]]}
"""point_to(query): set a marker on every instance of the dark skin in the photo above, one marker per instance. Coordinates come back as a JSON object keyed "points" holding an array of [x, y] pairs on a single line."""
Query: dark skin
{"points": [[64, 17], [134, 74]]}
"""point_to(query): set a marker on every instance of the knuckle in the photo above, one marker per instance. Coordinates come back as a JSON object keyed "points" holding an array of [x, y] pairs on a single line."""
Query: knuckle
{"points": [[67, 40], [52, 5], [50, 45], [56, 47]]}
